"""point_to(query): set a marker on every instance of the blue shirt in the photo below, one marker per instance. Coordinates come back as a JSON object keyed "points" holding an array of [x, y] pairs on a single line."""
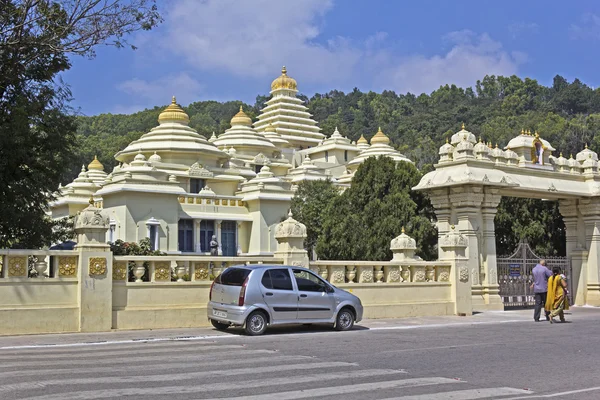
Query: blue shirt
{"points": [[540, 278]]}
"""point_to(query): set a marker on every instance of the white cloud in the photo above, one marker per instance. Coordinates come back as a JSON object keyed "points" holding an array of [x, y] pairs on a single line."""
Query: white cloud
{"points": [[588, 28], [470, 58], [516, 29], [159, 91], [255, 38]]}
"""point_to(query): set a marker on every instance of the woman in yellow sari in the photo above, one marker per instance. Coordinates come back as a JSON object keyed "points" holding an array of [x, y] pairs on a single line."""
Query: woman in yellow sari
{"points": [[557, 300]]}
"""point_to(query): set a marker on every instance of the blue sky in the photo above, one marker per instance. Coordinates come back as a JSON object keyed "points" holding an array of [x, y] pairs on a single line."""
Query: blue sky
{"points": [[232, 50]]}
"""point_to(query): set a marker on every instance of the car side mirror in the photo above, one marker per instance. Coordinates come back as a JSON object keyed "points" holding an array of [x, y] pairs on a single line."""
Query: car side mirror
{"points": [[329, 289]]}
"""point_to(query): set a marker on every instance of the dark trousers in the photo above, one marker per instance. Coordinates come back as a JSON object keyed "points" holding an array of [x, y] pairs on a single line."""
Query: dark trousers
{"points": [[540, 302]]}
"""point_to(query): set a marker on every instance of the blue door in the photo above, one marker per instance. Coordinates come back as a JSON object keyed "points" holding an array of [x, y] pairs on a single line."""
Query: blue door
{"points": [[228, 239]]}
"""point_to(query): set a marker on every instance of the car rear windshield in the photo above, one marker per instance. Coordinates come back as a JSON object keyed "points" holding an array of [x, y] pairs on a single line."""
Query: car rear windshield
{"points": [[233, 276]]}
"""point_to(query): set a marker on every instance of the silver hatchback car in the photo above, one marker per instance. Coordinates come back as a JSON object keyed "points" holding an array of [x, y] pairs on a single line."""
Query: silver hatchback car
{"points": [[255, 296]]}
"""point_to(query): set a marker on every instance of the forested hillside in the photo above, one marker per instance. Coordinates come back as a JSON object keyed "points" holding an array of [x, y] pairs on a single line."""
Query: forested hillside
{"points": [[567, 114]]}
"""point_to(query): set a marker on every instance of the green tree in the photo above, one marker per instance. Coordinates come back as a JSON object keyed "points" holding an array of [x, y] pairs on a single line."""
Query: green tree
{"points": [[360, 224], [37, 129], [537, 221], [309, 206]]}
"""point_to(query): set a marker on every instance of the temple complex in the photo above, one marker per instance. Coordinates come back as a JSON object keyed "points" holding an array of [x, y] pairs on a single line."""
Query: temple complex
{"points": [[180, 189]]}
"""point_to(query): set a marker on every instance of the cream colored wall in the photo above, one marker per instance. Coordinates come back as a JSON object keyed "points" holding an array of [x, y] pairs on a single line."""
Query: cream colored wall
{"points": [[265, 214], [160, 305], [38, 305]]}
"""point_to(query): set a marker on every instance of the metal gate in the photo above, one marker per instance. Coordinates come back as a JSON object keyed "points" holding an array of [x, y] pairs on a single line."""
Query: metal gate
{"points": [[515, 275]]}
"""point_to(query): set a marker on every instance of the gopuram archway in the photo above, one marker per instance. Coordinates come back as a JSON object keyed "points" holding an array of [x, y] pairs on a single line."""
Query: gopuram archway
{"points": [[469, 181]]}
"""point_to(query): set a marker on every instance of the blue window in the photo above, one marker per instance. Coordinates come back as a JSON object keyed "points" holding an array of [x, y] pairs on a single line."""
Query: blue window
{"points": [[207, 230], [186, 235], [196, 185]]}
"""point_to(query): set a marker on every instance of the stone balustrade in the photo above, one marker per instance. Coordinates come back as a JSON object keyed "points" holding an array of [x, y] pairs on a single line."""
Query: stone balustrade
{"points": [[226, 201], [34, 264], [181, 268], [340, 272]]}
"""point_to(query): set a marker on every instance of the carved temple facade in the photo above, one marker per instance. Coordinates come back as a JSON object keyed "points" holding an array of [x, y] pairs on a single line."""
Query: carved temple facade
{"points": [[179, 188], [469, 181]]}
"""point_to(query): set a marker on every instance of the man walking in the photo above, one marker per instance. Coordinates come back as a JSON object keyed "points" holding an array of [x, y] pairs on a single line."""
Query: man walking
{"points": [[540, 288]]}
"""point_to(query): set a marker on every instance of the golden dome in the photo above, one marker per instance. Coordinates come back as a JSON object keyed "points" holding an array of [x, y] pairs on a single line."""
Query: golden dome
{"points": [[173, 113], [362, 140], [241, 118], [380, 138], [96, 165], [284, 82]]}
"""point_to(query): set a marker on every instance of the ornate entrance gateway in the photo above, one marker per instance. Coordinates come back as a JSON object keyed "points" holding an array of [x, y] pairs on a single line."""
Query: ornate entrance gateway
{"points": [[515, 275]]}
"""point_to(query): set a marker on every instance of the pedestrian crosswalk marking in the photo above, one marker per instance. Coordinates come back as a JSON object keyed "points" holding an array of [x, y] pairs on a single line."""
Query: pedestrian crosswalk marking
{"points": [[347, 389], [127, 360], [208, 387], [468, 394], [214, 370], [156, 367], [113, 380]]}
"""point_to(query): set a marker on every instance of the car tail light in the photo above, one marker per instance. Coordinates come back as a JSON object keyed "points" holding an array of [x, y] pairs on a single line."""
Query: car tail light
{"points": [[242, 297], [210, 293]]}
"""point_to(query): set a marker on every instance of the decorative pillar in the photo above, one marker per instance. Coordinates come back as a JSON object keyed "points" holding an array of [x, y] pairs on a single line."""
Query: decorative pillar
{"points": [[590, 210], [219, 239], [455, 245], [95, 261], [403, 249], [488, 274], [151, 224], [197, 235], [576, 252], [290, 235], [441, 203]]}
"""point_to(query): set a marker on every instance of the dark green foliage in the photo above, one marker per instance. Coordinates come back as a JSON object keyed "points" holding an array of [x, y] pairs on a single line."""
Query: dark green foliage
{"points": [[566, 114], [535, 220], [309, 206], [37, 130], [360, 224]]}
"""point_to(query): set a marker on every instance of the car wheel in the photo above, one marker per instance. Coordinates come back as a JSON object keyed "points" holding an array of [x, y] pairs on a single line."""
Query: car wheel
{"points": [[344, 320], [219, 325], [256, 323]]}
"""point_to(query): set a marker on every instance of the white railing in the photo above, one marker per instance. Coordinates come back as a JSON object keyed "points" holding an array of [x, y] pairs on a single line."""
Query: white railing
{"points": [[339, 272], [179, 268], [24, 264]]}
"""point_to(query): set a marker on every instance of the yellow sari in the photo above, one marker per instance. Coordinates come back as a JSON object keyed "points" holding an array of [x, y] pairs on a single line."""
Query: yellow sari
{"points": [[556, 300]]}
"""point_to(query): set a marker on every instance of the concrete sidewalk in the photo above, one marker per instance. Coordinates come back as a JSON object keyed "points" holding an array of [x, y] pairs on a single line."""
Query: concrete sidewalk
{"points": [[116, 337]]}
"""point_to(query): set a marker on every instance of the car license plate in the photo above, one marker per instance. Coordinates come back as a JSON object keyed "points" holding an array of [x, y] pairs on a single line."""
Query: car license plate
{"points": [[221, 314]]}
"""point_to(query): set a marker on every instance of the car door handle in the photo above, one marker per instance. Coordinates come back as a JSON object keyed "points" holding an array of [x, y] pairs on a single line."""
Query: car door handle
{"points": [[303, 295], [268, 294]]}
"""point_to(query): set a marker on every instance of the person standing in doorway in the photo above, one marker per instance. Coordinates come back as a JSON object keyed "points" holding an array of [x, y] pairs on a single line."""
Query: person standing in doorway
{"points": [[541, 273]]}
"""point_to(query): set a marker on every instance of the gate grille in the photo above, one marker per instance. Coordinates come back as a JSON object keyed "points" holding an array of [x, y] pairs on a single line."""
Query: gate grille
{"points": [[515, 275]]}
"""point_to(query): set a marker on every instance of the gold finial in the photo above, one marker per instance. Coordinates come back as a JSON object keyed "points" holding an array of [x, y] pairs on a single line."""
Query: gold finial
{"points": [[241, 118], [571, 156], [362, 140], [380, 137], [446, 140], [560, 155], [96, 165], [91, 200], [173, 113], [522, 131], [479, 139], [284, 81], [452, 227], [586, 145], [537, 135], [496, 145], [490, 145], [402, 229], [528, 132], [463, 126]]}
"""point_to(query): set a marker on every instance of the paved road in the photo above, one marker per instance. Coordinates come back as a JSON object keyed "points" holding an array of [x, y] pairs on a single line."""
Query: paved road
{"points": [[487, 356]]}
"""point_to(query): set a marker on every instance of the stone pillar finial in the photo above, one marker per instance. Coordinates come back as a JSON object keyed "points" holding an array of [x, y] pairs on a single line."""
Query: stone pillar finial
{"points": [[91, 226], [290, 235], [403, 247], [454, 241]]}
